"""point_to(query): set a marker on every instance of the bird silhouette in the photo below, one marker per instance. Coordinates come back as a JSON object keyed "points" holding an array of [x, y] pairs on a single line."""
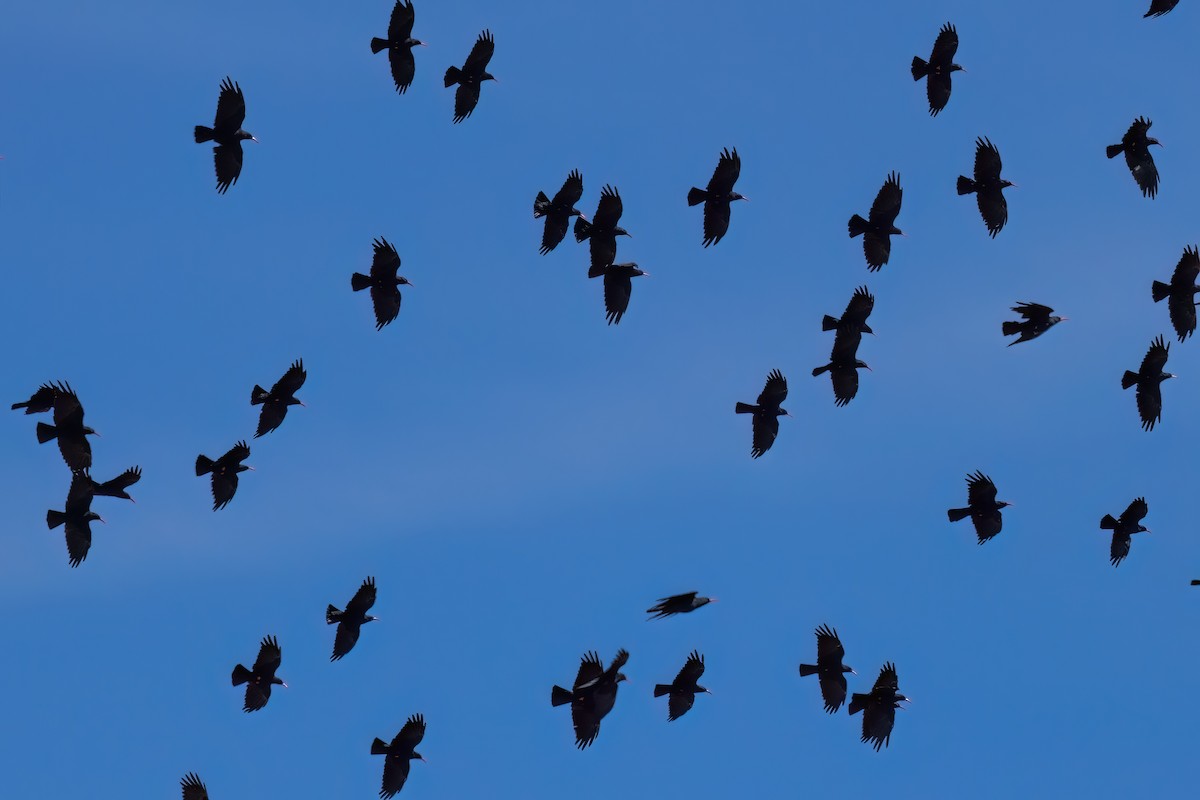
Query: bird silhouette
{"points": [[228, 134], [115, 487], [829, 669], [224, 473], [988, 186], [275, 402], [618, 287], [40, 401], [880, 224], [938, 68], [1123, 527], [765, 422], [1036, 320], [260, 679], [879, 707], [383, 282], [352, 619], [558, 212], [602, 231], [718, 196], [68, 429], [592, 696], [193, 788], [77, 518], [400, 752], [683, 689], [982, 507], [1178, 293], [473, 73], [399, 44], [677, 604], [1148, 380], [1135, 144]]}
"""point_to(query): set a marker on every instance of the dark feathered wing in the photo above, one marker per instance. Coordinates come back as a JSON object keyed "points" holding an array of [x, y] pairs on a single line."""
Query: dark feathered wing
{"points": [[231, 107], [609, 210], [571, 191], [1119, 548], [401, 25], [404, 67], [1136, 512], [466, 97], [774, 391], [590, 669], [227, 162], [481, 54], [618, 288], [729, 167], [193, 788], [385, 262], [716, 220]]}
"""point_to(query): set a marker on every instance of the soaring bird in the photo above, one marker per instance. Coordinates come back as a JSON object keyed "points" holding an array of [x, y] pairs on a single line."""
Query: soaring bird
{"points": [[472, 74], [399, 752], [224, 473], [1036, 318], [879, 707], [193, 787], [352, 619], [982, 507], [69, 429], [40, 401], [684, 689], [1124, 526], [880, 224], [592, 696], [718, 196], [399, 44], [1135, 144], [1160, 7], [77, 517], [383, 282], [854, 319], [115, 487], [1148, 379], [275, 402], [987, 186], [767, 412], [1179, 292], [228, 134], [677, 604], [618, 286], [844, 365], [558, 212], [260, 679], [829, 669], [938, 68], [603, 230]]}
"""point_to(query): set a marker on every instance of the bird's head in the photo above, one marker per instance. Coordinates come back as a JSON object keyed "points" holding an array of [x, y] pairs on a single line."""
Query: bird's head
{"points": [[575, 212], [1004, 184], [702, 689], [1169, 375], [1003, 504], [417, 757], [487, 76], [860, 364], [846, 668], [292, 401], [867, 329], [1142, 529], [369, 619], [279, 681], [622, 232], [1056, 320], [957, 68], [244, 467], [247, 135], [92, 516], [621, 677], [1150, 141], [783, 412], [902, 699], [411, 42], [402, 281], [735, 196]]}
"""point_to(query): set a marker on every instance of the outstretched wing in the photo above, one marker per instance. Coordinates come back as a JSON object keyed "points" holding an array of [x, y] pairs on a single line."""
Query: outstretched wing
{"points": [[401, 25], [1136, 512], [618, 289], [404, 66], [385, 262], [481, 54], [716, 220], [571, 191], [609, 210], [590, 669], [291, 381], [1156, 358], [386, 301], [861, 304], [586, 723], [466, 97], [1034, 312], [729, 167], [678, 704], [193, 787], [269, 656], [774, 391], [1120, 548], [692, 669], [878, 721], [227, 161], [845, 383], [945, 46], [363, 599], [886, 207], [766, 428], [987, 161], [1149, 403], [980, 490], [410, 735], [231, 107], [1141, 165]]}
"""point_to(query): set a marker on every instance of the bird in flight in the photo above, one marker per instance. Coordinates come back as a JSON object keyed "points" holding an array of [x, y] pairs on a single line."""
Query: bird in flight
{"points": [[77, 518], [399, 44], [1135, 144], [677, 604], [618, 287], [473, 73], [1123, 527], [988, 186], [352, 619], [224, 472], [42, 400], [718, 196], [1160, 7], [1148, 380], [938, 68], [593, 695], [765, 422], [602, 231], [982, 507], [68, 429], [558, 212], [260, 679], [829, 669], [275, 402], [228, 134], [1036, 320], [879, 707], [683, 689], [400, 751], [384, 282], [1179, 294], [880, 224]]}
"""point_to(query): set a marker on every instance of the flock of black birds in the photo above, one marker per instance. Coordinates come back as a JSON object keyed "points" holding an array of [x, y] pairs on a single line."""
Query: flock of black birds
{"points": [[594, 691]]}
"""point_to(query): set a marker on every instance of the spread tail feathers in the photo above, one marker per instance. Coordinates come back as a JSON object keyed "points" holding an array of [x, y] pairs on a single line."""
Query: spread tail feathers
{"points": [[661, 688], [203, 134], [807, 669], [829, 323], [379, 747], [358, 281], [1108, 523], [965, 185], [240, 675], [332, 615], [258, 395], [1113, 150], [857, 226], [696, 196], [1009, 328], [919, 68], [452, 76], [1158, 289], [744, 408], [818, 370], [559, 696], [378, 44], [46, 432], [858, 702], [204, 465], [54, 519], [955, 514], [1128, 379], [541, 204]]}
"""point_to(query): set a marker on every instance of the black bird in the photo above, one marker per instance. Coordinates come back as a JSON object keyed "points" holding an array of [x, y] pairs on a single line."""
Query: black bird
{"points": [[1129, 523], [1180, 292], [618, 286], [718, 196], [987, 186], [829, 669], [843, 367], [275, 402], [767, 412], [399, 753], [260, 680], [472, 74], [77, 517], [603, 229], [224, 473], [879, 707], [982, 507], [877, 230], [1037, 320], [193, 787], [383, 282], [228, 134], [1148, 379], [684, 689], [854, 318], [115, 487], [593, 695], [558, 212], [1160, 7], [69, 429], [399, 44], [352, 619], [1135, 144], [677, 604], [938, 68], [40, 401]]}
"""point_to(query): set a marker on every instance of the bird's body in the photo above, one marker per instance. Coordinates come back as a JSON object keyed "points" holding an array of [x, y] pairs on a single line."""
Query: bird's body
{"points": [[602, 231], [68, 429], [718, 196], [275, 402], [228, 134], [1123, 527], [879, 707], [683, 689], [470, 76], [400, 752], [1036, 320], [879, 226], [558, 212], [40, 401], [592, 696], [76, 517], [677, 604], [988, 186], [399, 44], [260, 679], [384, 282], [982, 507], [352, 619], [765, 422], [618, 288], [829, 669], [1135, 144], [938, 69], [1148, 380], [1179, 293], [224, 472]]}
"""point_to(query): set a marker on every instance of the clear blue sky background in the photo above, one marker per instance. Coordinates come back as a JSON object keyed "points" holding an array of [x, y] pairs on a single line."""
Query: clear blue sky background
{"points": [[523, 480]]}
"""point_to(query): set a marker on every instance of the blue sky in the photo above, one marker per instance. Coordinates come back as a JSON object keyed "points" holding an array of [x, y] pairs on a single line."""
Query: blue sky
{"points": [[523, 480]]}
